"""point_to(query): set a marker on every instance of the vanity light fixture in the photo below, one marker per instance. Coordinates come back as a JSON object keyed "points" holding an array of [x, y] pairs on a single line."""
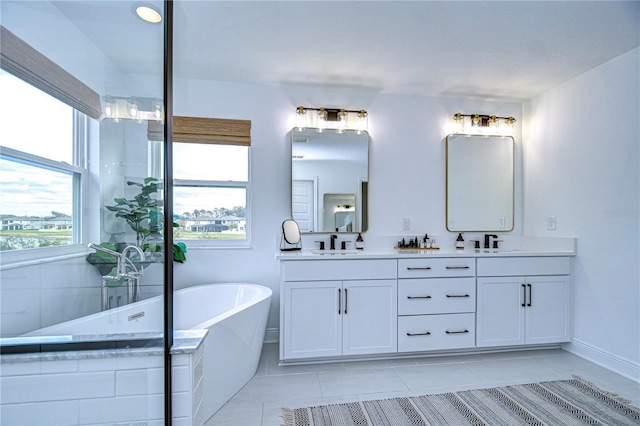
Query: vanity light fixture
{"points": [[339, 119], [133, 108], [482, 124]]}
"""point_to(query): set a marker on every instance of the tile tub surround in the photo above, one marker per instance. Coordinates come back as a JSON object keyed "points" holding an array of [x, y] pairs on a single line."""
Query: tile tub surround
{"points": [[274, 386], [101, 386], [234, 315]]}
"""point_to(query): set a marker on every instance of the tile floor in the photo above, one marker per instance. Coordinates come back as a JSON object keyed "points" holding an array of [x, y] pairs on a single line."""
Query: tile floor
{"points": [[259, 403]]}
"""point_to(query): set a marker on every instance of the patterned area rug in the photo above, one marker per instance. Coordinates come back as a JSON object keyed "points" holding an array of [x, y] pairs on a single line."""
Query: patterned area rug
{"points": [[555, 403]]}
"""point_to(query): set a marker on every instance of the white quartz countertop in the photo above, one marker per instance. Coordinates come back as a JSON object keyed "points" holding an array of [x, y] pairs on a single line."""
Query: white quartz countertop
{"points": [[417, 253], [522, 247]]}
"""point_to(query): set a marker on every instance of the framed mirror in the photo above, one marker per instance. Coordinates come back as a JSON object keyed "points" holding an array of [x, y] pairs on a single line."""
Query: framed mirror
{"points": [[479, 183], [329, 180]]}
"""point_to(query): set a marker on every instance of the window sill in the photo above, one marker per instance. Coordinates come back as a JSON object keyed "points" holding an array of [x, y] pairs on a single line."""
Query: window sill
{"points": [[21, 258], [217, 245]]}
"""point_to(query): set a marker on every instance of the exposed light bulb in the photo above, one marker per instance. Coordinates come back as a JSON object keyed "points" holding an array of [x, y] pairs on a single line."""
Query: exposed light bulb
{"points": [[301, 118], [133, 108], [322, 120], [109, 106], [361, 124], [157, 109], [342, 121]]}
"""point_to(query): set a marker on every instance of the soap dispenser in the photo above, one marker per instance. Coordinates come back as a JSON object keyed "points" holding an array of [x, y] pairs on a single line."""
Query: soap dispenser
{"points": [[359, 242], [460, 242]]}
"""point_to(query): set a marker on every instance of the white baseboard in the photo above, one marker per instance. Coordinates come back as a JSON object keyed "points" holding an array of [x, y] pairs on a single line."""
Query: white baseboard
{"points": [[615, 363], [272, 335]]}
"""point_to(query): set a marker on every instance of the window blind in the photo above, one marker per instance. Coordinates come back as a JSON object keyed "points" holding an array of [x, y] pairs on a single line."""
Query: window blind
{"points": [[212, 130], [26, 63]]}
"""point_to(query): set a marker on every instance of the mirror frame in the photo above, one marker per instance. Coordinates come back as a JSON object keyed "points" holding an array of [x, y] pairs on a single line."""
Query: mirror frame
{"points": [[447, 189], [364, 201]]}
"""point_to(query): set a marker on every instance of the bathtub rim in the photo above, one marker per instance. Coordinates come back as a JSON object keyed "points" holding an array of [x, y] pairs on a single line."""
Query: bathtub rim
{"points": [[263, 294], [185, 340]]}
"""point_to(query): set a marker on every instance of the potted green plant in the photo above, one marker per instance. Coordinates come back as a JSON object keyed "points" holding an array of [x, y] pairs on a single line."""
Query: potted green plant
{"points": [[143, 214]]}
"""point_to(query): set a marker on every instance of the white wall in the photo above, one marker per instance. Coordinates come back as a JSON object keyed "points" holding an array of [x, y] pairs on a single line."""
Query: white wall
{"points": [[407, 170], [581, 151]]}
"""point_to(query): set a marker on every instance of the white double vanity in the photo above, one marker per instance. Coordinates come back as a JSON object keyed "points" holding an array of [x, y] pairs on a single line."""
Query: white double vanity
{"points": [[385, 303], [346, 304]]}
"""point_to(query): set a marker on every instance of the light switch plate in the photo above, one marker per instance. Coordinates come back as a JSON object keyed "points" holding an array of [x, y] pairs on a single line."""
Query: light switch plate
{"points": [[551, 223], [406, 224]]}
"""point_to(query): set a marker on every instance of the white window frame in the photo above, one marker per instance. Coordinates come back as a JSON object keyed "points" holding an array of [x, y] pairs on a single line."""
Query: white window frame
{"points": [[79, 171], [215, 243]]}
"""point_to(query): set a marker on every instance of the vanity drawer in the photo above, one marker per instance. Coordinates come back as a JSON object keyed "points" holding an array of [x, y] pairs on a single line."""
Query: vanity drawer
{"points": [[436, 332], [440, 267], [436, 296], [515, 266], [314, 270]]}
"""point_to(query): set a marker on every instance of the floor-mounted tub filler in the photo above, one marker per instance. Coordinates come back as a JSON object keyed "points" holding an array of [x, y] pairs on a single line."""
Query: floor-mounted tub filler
{"points": [[217, 345]]}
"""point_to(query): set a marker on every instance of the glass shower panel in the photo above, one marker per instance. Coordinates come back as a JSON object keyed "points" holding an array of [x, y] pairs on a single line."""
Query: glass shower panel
{"points": [[86, 310]]}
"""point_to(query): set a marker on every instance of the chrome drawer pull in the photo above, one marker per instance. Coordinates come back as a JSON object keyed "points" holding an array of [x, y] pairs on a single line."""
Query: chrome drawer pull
{"points": [[419, 334], [426, 268], [418, 297], [457, 267], [458, 295], [457, 332]]}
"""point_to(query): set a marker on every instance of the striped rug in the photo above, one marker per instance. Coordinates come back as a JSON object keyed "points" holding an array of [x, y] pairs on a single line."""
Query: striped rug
{"points": [[554, 403]]}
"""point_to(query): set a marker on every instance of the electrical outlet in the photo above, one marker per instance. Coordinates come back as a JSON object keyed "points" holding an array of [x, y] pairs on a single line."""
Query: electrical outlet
{"points": [[551, 223], [406, 224], [501, 223]]}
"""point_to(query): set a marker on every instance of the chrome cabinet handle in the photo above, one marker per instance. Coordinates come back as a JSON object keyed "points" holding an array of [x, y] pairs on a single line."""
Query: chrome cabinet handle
{"points": [[426, 268], [418, 297], [456, 332], [458, 295], [524, 295], [426, 333], [457, 267]]}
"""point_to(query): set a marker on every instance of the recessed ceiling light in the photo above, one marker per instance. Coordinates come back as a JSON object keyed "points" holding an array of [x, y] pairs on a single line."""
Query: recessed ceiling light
{"points": [[148, 14]]}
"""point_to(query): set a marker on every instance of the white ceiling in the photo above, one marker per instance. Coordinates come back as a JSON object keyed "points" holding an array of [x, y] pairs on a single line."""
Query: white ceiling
{"points": [[507, 50]]}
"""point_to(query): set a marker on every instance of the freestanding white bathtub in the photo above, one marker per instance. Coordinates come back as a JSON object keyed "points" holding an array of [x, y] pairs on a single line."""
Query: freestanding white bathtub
{"points": [[235, 316]]}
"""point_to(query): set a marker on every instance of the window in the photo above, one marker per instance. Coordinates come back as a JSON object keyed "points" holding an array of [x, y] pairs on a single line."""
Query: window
{"points": [[42, 168], [211, 180]]}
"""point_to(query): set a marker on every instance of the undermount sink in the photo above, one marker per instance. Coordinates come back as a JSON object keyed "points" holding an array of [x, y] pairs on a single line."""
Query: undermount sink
{"points": [[336, 252]]}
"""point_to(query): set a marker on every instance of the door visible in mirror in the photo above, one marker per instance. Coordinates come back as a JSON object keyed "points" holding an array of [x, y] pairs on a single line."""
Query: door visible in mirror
{"points": [[330, 176], [480, 183]]}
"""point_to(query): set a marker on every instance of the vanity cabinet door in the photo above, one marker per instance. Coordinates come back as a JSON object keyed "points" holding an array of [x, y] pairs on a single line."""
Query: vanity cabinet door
{"points": [[500, 314], [312, 324], [523, 310], [548, 310], [369, 317]]}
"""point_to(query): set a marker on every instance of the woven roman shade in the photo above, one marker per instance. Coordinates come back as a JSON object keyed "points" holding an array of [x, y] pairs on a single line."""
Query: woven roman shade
{"points": [[220, 131], [26, 63]]}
